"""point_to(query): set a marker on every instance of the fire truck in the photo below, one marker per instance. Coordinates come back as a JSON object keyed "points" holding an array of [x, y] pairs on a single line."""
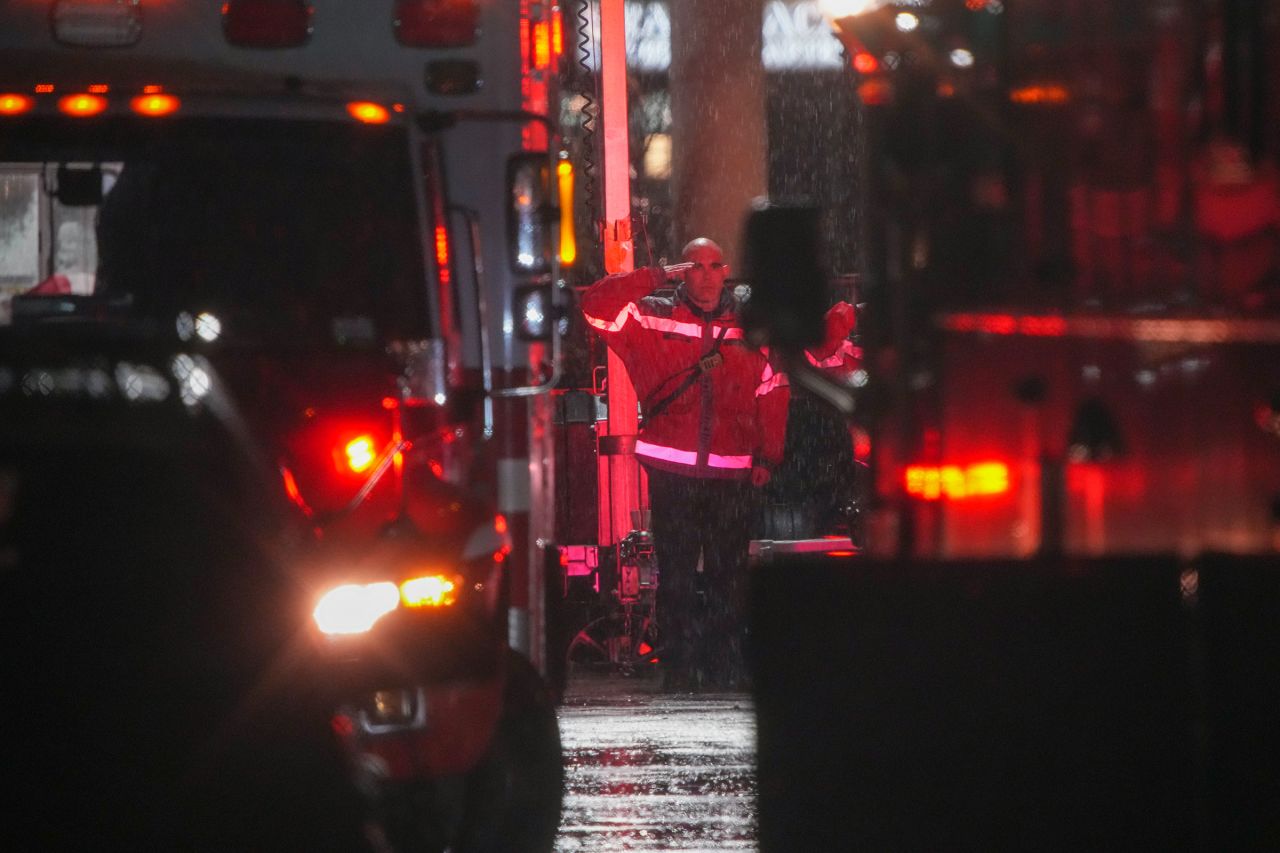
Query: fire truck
{"points": [[271, 378], [1062, 630], [1093, 275]]}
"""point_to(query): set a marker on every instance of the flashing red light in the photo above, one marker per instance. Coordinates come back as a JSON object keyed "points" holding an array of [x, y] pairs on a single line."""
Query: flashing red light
{"points": [[500, 523], [13, 104], [643, 649], [155, 105], [368, 112], [865, 63], [82, 106], [266, 23], [861, 444], [360, 453], [1043, 326], [875, 93], [436, 23], [956, 482], [1051, 93], [343, 726]]}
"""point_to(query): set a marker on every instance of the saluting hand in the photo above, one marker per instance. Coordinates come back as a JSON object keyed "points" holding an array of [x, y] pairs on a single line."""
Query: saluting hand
{"points": [[676, 270]]}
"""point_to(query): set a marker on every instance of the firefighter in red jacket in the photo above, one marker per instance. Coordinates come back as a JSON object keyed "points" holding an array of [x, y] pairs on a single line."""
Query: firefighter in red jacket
{"points": [[713, 428]]}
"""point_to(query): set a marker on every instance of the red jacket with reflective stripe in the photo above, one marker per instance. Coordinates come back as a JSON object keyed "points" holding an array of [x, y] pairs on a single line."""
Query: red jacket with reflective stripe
{"points": [[730, 417]]}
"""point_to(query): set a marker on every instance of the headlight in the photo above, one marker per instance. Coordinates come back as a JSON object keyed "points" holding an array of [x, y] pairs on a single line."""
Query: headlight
{"points": [[355, 608]]}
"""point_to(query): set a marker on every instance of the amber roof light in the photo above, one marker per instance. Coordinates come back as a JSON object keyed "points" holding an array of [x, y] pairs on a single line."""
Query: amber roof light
{"points": [[157, 104], [82, 106], [368, 112], [12, 104]]}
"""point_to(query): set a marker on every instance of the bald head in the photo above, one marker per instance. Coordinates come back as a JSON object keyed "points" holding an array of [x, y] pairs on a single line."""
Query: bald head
{"points": [[704, 280], [701, 243]]}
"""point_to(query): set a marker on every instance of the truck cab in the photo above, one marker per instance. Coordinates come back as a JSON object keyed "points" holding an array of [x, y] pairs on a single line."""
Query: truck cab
{"points": [[242, 528]]}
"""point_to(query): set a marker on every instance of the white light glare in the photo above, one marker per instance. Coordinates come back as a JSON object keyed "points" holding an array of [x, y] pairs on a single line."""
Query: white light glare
{"points": [[208, 327], [354, 608], [906, 22], [836, 9], [194, 382], [961, 58]]}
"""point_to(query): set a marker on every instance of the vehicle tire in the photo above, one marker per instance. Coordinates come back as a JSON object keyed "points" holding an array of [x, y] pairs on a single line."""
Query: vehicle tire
{"points": [[514, 796]]}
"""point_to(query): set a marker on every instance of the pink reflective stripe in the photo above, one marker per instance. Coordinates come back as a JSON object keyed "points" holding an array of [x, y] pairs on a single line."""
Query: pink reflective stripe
{"points": [[661, 324], [693, 330], [618, 322], [777, 380], [769, 379], [688, 457]]}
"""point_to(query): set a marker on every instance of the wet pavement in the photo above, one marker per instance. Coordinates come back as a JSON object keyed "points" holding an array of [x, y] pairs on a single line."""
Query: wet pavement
{"points": [[652, 771]]}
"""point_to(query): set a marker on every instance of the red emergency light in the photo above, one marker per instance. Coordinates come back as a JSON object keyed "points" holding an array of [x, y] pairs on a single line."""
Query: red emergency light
{"points": [[436, 23], [360, 453], [957, 482], [266, 23]]}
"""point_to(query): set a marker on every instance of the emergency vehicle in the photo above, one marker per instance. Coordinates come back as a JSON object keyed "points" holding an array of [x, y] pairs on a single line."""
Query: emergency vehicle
{"points": [[1075, 339], [271, 545], [1062, 633]]}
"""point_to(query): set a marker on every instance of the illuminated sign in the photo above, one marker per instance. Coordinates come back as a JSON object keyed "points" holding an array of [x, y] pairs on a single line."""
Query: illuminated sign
{"points": [[796, 37]]}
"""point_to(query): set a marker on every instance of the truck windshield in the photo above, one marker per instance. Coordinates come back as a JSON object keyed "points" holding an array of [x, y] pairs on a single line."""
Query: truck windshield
{"points": [[292, 233]]}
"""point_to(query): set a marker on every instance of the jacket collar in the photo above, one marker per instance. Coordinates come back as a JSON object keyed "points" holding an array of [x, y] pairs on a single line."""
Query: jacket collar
{"points": [[728, 304]]}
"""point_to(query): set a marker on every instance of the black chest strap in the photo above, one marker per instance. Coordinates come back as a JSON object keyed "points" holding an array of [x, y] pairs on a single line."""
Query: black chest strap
{"points": [[709, 361]]}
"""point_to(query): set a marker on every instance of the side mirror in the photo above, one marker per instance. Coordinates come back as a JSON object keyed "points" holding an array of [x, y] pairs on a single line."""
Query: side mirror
{"points": [[788, 287], [532, 215]]}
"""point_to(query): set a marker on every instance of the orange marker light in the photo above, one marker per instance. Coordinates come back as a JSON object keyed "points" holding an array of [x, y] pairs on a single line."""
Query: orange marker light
{"points": [[865, 63], [99, 89], [542, 45], [44, 88], [12, 104], [154, 105], [82, 106], [360, 454], [442, 254], [568, 240], [368, 112], [428, 591]]}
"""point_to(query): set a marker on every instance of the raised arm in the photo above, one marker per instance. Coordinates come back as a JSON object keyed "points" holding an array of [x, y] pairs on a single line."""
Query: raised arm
{"points": [[610, 303]]}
